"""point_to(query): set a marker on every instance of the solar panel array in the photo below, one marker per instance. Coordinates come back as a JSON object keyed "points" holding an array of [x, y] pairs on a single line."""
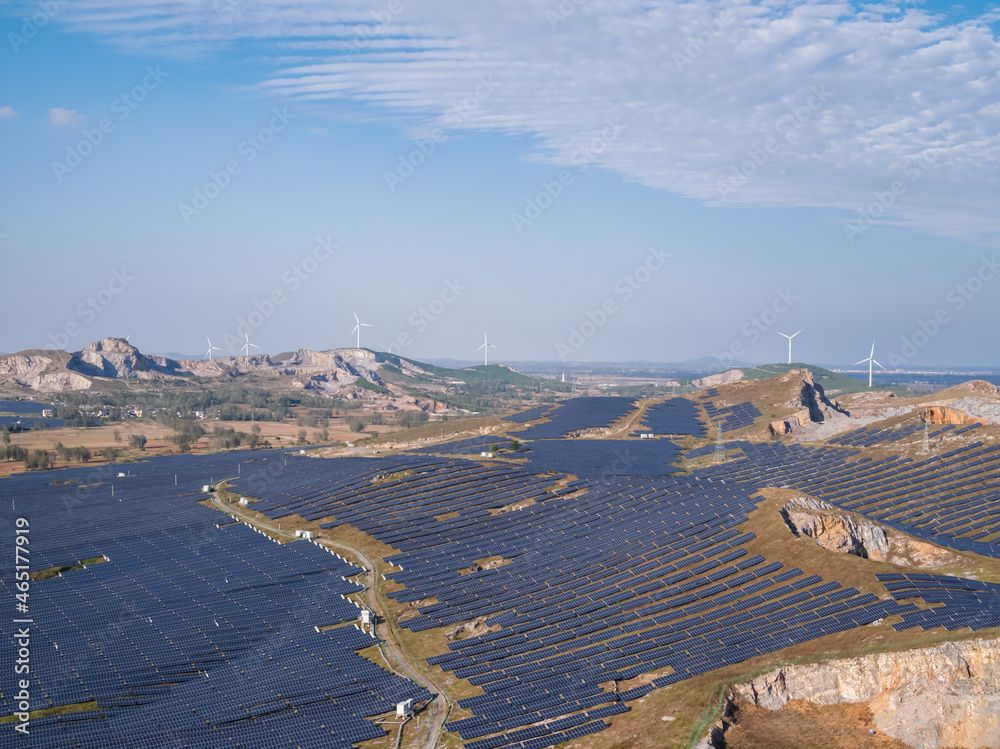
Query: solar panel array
{"points": [[604, 457], [523, 417], [470, 446], [197, 631], [577, 414], [632, 576], [29, 422], [28, 408], [201, 632], [967, 603], [677, 416], [952, 498], [732, 417]]}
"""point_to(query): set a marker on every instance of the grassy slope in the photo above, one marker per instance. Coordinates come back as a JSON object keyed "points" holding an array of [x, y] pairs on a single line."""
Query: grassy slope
{"points": [[497, 374], [833, 384]]}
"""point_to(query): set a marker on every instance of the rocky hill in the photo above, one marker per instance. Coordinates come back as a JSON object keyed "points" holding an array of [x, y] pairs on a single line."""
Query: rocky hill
{"points": [[929, 698], [115, 359]]}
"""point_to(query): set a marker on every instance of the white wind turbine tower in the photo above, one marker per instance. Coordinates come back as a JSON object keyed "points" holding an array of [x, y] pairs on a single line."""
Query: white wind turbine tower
{"points": [[485, 348], [789, 337], [359, 326], [247, 346], [211, 348], [871, 361]]}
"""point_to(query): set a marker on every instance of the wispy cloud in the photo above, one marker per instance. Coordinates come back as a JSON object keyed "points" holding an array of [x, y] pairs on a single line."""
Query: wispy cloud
{"points": [[8, 111], [60, 117], [704, 89]]}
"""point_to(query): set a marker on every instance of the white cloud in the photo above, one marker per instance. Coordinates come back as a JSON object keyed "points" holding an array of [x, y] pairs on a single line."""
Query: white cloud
{"points": [[707, 93], [60, 117], [8, 111]]}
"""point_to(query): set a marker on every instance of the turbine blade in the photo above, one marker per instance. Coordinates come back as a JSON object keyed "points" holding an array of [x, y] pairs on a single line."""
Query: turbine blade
{"points": [[880, 365]]}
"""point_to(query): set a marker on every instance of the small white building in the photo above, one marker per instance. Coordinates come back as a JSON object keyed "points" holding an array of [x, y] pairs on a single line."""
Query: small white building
{"points": [[404, 708]]}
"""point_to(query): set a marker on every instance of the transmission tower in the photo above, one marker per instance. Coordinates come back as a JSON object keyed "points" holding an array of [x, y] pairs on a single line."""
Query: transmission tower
{"points": [[720, 448]]}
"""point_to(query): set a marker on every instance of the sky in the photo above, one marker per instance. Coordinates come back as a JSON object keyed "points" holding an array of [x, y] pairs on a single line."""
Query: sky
{"points": [[605, 180]]}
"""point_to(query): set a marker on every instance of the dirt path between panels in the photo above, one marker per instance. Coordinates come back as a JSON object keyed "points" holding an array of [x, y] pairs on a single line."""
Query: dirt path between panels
{"points": [[392, 650]]}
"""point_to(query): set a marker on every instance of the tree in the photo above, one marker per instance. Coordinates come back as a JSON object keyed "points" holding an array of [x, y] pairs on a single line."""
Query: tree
{"points": [[494, 448], [137, 441], [410, 419], [13, 452], [62, 451], [110, 454], [515, 445], [37, 460], [324, 435], [4, 435], [118, 435], [355, 424], [302, 437]]}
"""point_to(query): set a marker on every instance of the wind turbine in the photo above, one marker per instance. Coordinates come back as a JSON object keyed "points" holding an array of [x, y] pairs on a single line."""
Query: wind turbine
{"points": [[211, 348], [485, 348], [247, 346], [789, 337], [871, 361], [359, 326]]}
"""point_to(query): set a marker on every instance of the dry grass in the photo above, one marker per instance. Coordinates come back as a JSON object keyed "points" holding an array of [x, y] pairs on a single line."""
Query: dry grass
{"points": [[804, 725]]}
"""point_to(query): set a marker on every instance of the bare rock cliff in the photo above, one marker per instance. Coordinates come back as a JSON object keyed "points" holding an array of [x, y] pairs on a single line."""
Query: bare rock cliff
{"points": [[931, 698], [722, 378], [835, 530]]}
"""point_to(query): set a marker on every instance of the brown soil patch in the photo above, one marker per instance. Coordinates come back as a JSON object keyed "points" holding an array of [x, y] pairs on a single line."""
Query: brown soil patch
{"points": [[804, 725]]}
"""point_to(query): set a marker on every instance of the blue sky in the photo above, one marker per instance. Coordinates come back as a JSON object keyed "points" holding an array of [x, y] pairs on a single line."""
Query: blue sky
{"points": [[610, 180]]}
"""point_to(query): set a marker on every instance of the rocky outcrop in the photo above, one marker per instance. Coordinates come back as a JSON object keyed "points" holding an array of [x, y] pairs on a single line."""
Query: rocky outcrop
{"points": [[945, 415], [981, 409], [931, 698], [40, 371], [981, 386], [816, 407], [835, 530], [116, 358], [722, 378]]}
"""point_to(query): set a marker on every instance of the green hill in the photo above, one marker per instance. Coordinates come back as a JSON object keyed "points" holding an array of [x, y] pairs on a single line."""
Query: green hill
{"points": [[833, 384]]}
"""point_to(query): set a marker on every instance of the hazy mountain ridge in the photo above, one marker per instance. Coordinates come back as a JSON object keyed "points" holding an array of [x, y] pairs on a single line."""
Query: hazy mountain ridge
{"points": [[115, 359]]}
